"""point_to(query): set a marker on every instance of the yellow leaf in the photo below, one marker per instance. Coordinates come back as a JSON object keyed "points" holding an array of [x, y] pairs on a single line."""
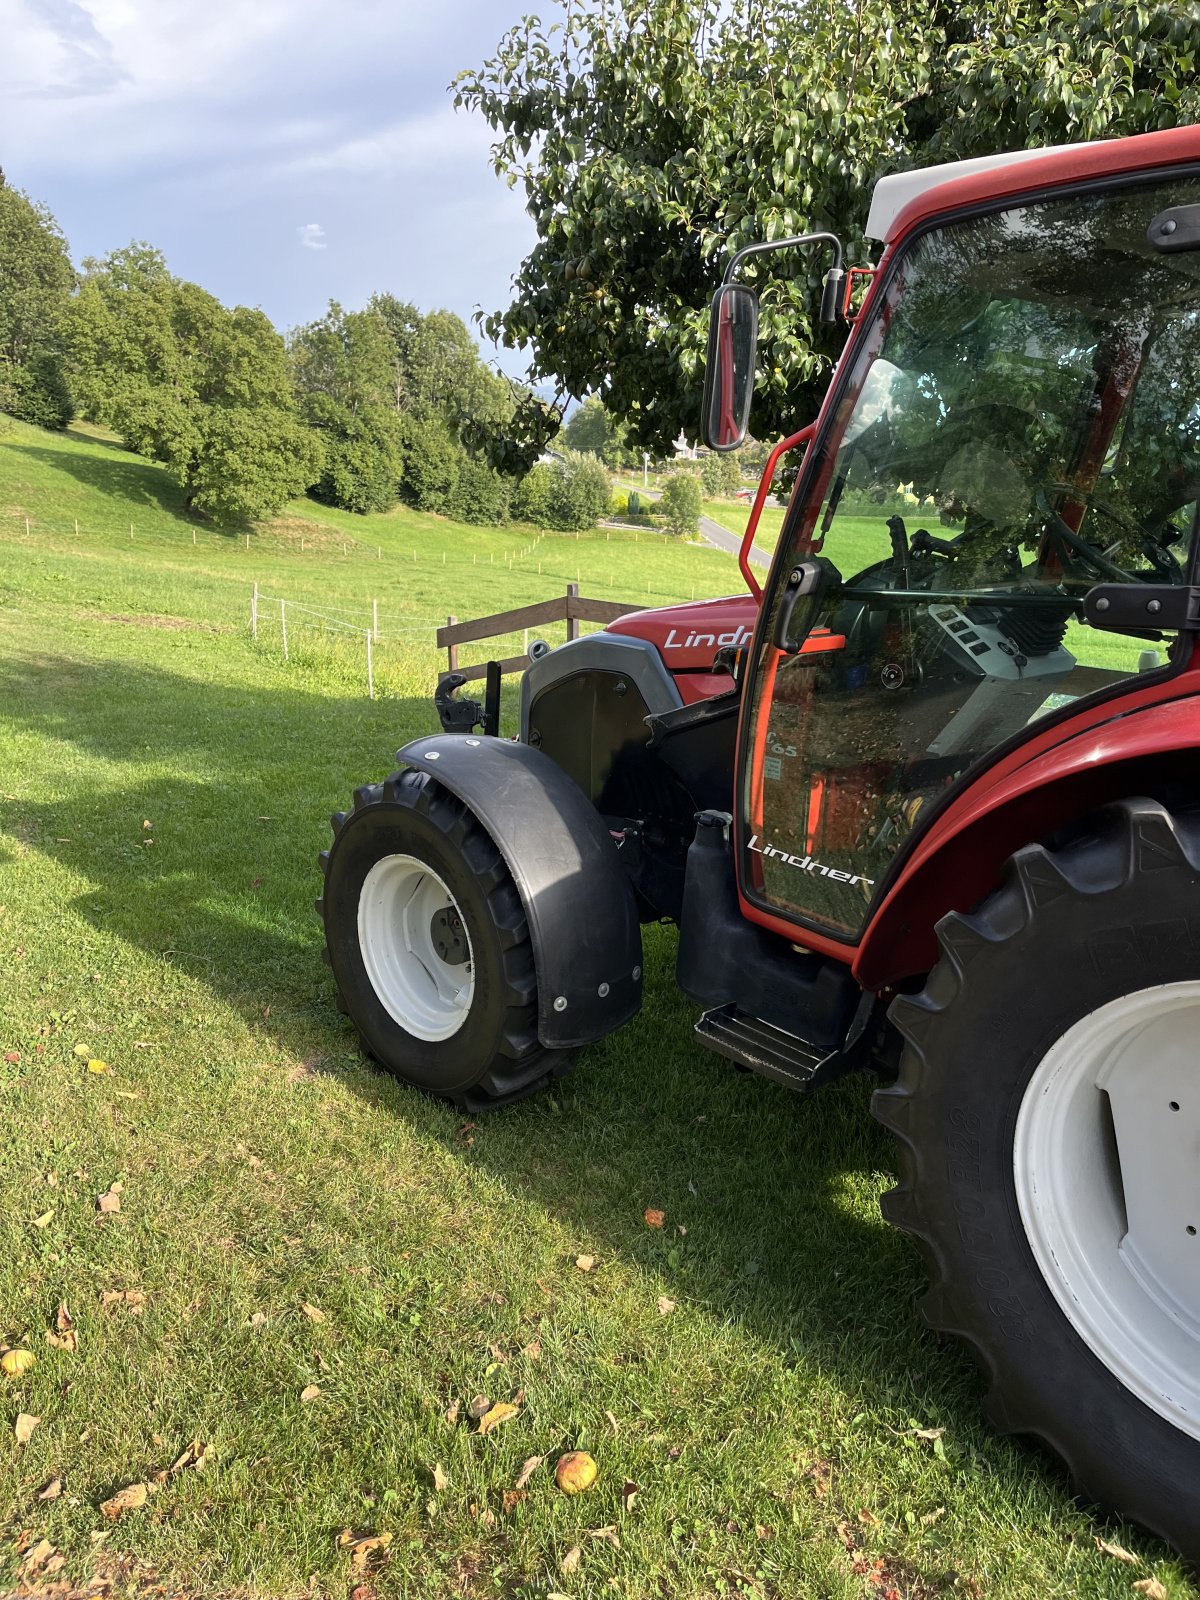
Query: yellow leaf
{"points": [[132, 1498], [37, 1557], [532, 1463], [440, 1479], [571, 1560], [23, 1427], [17, 1362], [45, 1219], [308, 1394], [665, 1306], [585, 1263], [52, 1490], [96, 1065], [313, 1313], [499, 1413], [82, 1051], [1151, 1588]]}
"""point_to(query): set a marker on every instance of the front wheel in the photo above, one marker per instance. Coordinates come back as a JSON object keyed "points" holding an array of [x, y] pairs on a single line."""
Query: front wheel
{"points": [[429, 946], [1048, 1113]]}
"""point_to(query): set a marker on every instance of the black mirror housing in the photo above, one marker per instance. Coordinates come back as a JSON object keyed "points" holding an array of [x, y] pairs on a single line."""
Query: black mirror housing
{"points": [[729, 367]]}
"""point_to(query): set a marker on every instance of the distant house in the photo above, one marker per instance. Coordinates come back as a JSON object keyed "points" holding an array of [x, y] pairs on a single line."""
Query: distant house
{"points": [[685, 451]]}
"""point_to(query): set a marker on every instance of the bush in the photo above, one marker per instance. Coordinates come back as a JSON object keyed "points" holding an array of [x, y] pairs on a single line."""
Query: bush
{"points": [[480, 494], [680, 503], [580, 492], [362, 467], [731, 473], [711, 476], [532, 496], [433, 460], [37, 392]]}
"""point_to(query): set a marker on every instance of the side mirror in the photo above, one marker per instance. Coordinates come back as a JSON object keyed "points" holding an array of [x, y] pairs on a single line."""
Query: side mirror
{"points": [[729, 366]]}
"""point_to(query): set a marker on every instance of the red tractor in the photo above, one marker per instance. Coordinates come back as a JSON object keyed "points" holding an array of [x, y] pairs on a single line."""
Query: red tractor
{"points": [[928, 802]]}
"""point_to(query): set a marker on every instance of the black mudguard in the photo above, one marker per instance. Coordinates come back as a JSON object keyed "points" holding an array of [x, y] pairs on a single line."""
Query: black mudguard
{"points": [[587, 943]]}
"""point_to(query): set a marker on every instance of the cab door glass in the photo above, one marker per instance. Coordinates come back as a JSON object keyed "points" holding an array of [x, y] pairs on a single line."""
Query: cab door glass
{"points": [[1026, 425]]}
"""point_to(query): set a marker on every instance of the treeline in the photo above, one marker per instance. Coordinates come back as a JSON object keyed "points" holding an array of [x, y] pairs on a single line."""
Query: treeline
{"points": [[358, 409]]}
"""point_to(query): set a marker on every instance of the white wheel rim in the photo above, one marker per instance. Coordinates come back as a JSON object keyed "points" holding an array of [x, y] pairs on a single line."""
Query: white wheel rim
{"points": [[1107, 1169], [405, 912]]}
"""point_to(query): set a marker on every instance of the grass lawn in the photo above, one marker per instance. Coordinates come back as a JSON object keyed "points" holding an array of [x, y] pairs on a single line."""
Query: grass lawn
{"points": [[312, 1270]]}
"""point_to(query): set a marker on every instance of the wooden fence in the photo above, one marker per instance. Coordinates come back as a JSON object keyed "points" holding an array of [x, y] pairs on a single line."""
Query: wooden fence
{"points": [[572, 608]]}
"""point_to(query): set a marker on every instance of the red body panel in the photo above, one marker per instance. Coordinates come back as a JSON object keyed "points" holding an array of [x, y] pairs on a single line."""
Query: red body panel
{"points": [[688, 636]]}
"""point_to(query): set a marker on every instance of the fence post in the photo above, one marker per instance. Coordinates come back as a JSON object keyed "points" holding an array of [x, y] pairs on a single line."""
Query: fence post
{"points": [[451, 649], [27, 529], [572, 622], [77, 527], [283, 625], [375, 620], [254, 612], [370, 671]]}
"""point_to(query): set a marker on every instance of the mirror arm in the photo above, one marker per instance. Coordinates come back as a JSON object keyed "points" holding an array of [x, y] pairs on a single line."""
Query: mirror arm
{"points": [[831, 293]]}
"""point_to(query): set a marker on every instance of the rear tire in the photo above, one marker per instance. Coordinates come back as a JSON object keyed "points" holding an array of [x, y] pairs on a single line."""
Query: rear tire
{"points": [[429, 947], [1048, 1114]]}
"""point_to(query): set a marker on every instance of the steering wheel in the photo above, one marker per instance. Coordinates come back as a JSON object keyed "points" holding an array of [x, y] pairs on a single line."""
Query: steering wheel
{"points": [[1078, 552]]}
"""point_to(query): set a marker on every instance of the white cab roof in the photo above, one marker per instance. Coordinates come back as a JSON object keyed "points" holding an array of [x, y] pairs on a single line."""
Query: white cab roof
{"points": [[894, 192]]}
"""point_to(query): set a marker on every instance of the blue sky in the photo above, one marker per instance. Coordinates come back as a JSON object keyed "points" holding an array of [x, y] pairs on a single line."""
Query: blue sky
{"points": [[281, 152]]}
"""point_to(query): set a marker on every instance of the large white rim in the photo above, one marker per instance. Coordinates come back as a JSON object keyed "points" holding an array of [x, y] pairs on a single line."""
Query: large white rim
{"points": [[426, 994], [1107, 1167]]}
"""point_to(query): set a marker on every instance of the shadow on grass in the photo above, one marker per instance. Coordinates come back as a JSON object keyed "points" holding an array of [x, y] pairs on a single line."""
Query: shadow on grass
{"points": [[770, 1201], [137, 483]]}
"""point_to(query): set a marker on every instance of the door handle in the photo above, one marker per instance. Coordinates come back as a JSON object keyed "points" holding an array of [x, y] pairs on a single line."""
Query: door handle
{"points": [[808, 583]]}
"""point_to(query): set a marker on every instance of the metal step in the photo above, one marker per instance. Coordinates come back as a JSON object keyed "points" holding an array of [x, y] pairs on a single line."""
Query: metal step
{"points": [[761, 1047]]}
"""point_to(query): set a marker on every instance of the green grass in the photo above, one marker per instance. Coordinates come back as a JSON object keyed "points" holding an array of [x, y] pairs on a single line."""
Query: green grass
{"points": [[769, 1420]]}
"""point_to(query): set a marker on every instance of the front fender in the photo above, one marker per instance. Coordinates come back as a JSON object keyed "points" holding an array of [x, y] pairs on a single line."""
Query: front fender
{"points": [[1139, 753], [578, 900]]}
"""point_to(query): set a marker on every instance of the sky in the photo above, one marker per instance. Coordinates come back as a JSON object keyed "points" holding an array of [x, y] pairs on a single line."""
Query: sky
{"points": [[281, 153]]}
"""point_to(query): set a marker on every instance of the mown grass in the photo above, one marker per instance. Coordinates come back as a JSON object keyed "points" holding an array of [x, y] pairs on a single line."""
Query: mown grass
{"points": [[770, 1421]]}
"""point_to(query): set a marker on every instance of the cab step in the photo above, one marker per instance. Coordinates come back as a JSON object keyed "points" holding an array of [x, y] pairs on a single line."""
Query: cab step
{"points": [[762, 1047]]}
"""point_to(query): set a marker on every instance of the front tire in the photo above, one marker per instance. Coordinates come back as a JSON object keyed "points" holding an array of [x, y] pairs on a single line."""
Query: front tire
{"points": [[1048, 1114], [429, 946]]}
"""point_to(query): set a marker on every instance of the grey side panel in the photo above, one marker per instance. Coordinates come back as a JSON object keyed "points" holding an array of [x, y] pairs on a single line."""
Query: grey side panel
{"points": [[636, 659], [587, 944]]}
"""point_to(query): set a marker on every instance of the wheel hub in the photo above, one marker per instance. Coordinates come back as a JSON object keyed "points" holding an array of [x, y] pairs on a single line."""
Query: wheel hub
{"points": [[415, 947], [1107, 1175]]}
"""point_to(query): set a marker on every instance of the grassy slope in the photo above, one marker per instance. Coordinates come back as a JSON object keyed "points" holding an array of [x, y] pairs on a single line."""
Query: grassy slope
{"points": [[768, 1420]]}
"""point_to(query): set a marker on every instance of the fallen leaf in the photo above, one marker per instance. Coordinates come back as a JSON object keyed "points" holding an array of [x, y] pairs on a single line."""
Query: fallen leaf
{"points": [[532, 1463], [533, 1350], [441, 1481], [510, 1499], [63, 1335], [575, 1472], [665, 1306], [132, 1498], [363, 1546], [23, 1427], [1151, 1588], [653, 1218], [609, 1534], [629, 1494], [498, 1354], [96, 1065], [612, 1422], [868, 1518], [479, 1407], [37, 1557], [571, 1560], [310, 1393], [1117, 1550], [110, 1201], [133, 1298], [147, 824], [16, 1363], [259, 1319], [499, 1413], [45, 1219], [82, 1051], [452, 1412], [313, 1313], [194, 1457], [13, 1057], [585, 1263], [52, 1490], [928, 1433]]}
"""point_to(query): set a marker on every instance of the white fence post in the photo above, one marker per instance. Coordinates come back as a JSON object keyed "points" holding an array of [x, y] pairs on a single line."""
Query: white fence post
{"points": [[375, 621], [254, 612], [370, 671], [283, 625]]}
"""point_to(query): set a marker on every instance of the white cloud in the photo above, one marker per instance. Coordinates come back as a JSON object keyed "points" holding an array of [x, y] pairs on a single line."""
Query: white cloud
{"points": [[411, 146], [312, 235]]}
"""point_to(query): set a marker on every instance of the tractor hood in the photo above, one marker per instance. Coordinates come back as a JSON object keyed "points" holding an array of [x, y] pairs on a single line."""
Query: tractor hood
{"points": [[687, 637]]}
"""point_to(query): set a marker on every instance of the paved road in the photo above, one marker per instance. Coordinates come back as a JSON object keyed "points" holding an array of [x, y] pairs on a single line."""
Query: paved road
{"points": [[715, 534]]}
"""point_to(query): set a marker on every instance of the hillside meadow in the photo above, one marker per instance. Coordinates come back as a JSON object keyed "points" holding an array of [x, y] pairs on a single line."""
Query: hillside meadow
{"points": [[302, 1274]]}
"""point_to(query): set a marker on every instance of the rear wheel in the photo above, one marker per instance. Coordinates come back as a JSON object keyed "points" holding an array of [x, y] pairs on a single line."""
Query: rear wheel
{"points": [[429, 946], [1048, 1112]]}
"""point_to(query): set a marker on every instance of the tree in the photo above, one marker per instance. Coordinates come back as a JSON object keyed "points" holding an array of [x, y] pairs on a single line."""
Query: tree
{"points": [[35, 284], [202, 388], [580, 492], [681, 503], [652, 137], [343, 369]]}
